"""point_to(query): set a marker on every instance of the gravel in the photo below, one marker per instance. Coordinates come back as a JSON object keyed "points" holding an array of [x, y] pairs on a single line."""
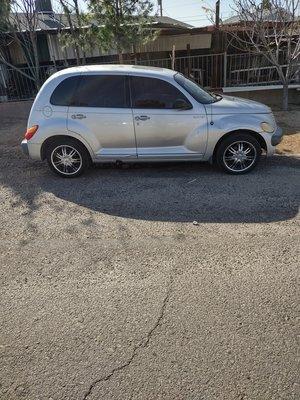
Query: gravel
{"points": [[156, 282]]}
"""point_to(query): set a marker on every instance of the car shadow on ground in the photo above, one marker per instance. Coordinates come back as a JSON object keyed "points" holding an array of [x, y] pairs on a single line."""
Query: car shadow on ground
{"points": [[176, 192]]}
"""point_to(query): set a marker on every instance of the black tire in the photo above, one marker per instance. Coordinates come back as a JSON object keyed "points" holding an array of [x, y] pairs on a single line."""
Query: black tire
{"points": [[230, 164], [55, 150]]}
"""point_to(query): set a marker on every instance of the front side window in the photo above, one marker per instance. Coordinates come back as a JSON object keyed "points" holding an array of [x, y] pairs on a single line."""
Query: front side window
{"points": [[105, 91], [156, 94], [196, 91], [63, 94]]}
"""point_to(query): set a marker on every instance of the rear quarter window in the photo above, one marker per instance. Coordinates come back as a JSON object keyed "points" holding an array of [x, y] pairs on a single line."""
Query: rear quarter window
{"points": [[64, 92]]}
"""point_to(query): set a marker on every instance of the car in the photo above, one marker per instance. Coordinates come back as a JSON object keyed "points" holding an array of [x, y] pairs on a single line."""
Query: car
{"points": [[128, 113]]}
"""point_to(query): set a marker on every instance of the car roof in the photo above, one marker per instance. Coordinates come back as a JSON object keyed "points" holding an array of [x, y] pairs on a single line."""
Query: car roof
{"points": [[119, 69]]}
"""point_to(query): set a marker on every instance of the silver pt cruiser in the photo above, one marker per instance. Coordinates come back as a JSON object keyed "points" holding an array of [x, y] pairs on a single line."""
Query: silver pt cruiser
{"points": [[122, 113]]}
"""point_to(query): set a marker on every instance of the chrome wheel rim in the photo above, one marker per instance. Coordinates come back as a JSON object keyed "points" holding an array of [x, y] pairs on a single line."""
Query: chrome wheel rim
{"points": [[239, 156], [66, 159]]}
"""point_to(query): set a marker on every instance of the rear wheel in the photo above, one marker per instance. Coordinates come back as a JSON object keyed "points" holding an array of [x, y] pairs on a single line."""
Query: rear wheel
{"points": [[238, 154], [67, 157]]}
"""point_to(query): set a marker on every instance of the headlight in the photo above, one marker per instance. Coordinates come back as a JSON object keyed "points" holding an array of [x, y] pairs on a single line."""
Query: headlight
{"points": [[266, 127]]}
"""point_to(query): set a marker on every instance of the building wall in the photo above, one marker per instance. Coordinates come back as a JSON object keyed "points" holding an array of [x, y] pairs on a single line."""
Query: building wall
{"points": [[163, 43], [272, 97], [16, 53]]}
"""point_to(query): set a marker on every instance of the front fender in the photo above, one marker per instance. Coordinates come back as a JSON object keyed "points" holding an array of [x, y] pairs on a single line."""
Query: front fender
{"points": [[221, 125]]}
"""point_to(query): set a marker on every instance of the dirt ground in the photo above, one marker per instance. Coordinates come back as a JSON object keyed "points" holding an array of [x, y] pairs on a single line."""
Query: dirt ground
{"points": [[290, 123]]}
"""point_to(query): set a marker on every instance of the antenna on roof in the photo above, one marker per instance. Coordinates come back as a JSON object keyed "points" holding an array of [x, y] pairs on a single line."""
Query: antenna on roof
{"points": [[43, 6], [160, 7], [218, 14]]}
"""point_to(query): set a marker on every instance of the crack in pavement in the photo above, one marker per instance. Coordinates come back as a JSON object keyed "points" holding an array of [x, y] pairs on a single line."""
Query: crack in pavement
{"points": [[141, 345]]}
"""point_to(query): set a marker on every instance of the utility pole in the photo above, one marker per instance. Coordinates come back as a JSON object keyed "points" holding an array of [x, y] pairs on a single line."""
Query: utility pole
{"points": [[160, 7], [218, 14]]}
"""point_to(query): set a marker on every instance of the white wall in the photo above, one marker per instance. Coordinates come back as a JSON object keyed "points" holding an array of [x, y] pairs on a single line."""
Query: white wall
{"points": [[162, 43]]}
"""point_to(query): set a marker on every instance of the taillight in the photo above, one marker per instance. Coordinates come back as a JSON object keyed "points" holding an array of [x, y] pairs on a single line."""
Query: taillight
{"points": [[31, 131]]}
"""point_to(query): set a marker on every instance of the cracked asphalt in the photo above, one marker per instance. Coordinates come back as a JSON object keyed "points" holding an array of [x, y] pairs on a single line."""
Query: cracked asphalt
{"points": [[109, 291]]}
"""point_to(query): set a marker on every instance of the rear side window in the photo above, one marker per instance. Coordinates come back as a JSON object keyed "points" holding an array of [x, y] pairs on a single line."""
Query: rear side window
{"points": [[105, 91], [155, 93], [63, 94]]}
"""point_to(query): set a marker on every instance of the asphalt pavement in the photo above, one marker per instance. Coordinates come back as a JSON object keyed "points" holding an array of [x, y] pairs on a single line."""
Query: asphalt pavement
{"points": [[153, 281]]}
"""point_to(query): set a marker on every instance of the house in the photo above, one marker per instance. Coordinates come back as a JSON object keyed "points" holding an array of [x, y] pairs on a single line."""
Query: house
{"points": [[206, 54], [50, 24]]}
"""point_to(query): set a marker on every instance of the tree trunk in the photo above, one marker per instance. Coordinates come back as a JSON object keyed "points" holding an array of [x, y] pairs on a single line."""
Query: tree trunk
{"points": [[121, 59], [77, 54], [134, 53], [79, 26], [285, 97], [83, 58], [36, 67]]}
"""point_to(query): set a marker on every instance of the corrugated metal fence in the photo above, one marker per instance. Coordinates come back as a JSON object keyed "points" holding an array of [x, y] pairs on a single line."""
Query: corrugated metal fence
{"points": [[211, 71]]}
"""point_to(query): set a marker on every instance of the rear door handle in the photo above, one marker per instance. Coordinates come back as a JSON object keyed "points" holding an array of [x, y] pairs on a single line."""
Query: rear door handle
{"points": [[78, 116], [142, 118]]}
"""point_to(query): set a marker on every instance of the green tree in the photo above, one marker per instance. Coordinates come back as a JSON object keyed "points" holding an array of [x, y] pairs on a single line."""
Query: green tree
{"points": [[266, 5], [4, 14], [19, 22], [76, 36], [121, 24]]}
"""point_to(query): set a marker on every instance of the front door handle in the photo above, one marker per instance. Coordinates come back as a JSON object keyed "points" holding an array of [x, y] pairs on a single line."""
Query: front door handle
{"points": [[78, 116], [142, 118]]}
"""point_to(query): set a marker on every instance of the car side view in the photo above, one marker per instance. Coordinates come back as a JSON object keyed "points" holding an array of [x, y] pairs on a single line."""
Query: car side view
{"points": [[121, 113]]}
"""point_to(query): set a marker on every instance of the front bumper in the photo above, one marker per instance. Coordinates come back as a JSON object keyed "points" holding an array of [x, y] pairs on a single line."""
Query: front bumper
{"points": [[277, 137], [24, 146]]}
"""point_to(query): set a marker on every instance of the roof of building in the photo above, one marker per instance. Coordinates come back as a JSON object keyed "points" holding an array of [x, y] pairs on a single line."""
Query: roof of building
{"points": [[53, 21], [267, 16]]}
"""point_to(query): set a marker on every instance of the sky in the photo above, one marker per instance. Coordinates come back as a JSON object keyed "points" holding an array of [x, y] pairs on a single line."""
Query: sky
{"points": [[191, 11]]}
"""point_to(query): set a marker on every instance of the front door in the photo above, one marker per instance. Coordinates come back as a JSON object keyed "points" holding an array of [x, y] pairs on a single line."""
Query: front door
{"points": [[168, 125], [100, 112]]}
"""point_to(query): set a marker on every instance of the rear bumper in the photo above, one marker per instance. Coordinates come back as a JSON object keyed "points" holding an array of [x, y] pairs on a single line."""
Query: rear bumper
{"points": [[277, 137], [24, 146], [32, 150]]}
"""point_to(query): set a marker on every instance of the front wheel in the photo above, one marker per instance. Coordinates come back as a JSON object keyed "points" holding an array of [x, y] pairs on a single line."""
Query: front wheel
{"points": [[67, 157], [238, 154]]}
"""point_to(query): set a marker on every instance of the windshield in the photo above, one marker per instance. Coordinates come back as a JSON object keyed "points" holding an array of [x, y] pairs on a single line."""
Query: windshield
{"points": [[199, 94]]}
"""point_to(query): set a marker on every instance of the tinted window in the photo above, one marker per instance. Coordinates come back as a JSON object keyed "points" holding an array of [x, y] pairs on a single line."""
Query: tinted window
{"points": [[199, 94], [101, 91], [63, 94], [155, 93]]}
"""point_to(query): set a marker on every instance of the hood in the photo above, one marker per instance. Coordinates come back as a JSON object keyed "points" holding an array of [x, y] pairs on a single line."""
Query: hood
{"points": [[237, 105]]}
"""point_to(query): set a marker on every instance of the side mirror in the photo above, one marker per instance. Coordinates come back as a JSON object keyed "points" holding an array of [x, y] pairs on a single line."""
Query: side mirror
{"points": [[181, 104]]}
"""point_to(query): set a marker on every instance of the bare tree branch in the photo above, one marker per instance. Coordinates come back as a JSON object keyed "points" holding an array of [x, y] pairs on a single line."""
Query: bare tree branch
{"points": [[270, 28]]}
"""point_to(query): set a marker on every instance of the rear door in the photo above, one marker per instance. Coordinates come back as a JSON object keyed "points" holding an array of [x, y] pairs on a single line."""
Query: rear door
{"points": [[100, 112], [168, 123]]}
